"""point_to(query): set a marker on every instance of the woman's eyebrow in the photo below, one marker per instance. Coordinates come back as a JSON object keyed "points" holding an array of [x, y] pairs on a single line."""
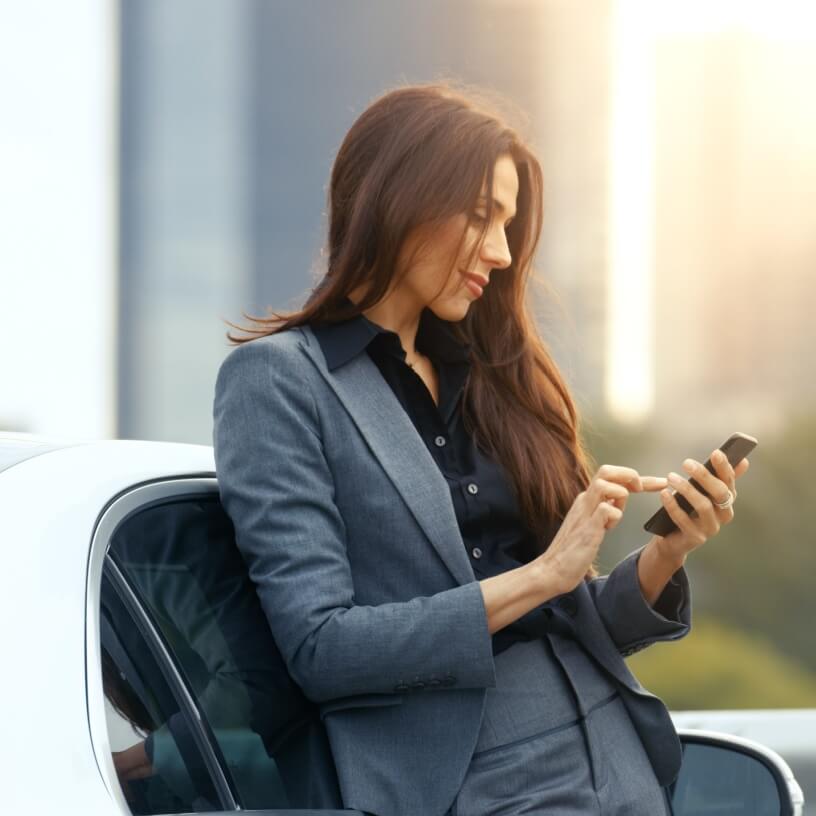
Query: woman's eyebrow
{"points": [[497, 203]]}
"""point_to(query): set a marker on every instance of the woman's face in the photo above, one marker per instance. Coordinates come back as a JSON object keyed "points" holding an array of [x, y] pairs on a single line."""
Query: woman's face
{"points": [[422, 281]]}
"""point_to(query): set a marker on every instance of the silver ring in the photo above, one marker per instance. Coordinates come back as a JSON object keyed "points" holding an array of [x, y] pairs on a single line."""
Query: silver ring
{"points": [[727, 503]]}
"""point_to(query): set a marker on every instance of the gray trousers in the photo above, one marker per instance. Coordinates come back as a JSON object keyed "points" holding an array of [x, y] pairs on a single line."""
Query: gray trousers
{"points": [[556, 739]]}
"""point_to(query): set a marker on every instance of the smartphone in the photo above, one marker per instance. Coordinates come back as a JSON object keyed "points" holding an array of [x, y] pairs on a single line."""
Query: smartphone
{"points": [[735, 448]]}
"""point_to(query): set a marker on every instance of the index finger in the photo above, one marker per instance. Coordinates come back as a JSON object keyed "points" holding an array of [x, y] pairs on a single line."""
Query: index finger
{"points": [[652, 484], [629, 478]]}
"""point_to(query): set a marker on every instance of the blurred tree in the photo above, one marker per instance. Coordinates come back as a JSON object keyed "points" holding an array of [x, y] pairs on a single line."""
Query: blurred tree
{"points": [[718, 666], [757, 574]]}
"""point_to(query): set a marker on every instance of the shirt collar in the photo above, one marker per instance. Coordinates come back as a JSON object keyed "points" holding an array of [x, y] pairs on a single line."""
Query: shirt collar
{"points": [[343, 341]]}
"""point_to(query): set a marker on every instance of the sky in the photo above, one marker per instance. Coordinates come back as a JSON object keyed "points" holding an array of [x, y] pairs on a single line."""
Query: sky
{"points": [[57, 245]]}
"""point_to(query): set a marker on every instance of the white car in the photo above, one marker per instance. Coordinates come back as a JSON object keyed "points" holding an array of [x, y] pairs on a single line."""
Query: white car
{"points": [[140, 673]]}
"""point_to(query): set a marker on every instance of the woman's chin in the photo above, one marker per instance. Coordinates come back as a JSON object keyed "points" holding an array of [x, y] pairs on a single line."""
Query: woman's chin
{"points": [[453, 309]]}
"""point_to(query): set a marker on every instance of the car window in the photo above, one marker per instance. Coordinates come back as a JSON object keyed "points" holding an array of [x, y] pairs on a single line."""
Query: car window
{"points": [[180, 558], [157, 759]]}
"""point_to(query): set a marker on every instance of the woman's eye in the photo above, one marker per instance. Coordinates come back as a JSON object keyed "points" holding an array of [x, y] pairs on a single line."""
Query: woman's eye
{"points": [[479, 217]]}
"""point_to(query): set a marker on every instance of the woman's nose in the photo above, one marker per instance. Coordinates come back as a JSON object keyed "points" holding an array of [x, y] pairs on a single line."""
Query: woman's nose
{"points": [[495, 251]]}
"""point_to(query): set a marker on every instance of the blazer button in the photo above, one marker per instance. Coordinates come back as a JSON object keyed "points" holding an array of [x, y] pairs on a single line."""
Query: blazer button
{"points": [[439, 441], [568, 604], [448, 680], [401, 688]]}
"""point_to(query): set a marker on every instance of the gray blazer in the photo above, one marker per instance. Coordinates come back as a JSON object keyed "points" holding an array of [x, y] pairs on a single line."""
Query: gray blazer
{"points": [[350, 535]]}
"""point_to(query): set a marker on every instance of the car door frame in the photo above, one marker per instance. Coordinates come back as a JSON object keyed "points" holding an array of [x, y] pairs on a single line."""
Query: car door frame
{"points": [[136, 498]]}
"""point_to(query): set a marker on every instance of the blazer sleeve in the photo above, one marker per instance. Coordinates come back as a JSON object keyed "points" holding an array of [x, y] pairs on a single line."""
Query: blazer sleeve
{"points": [[278, 490], [631, 622]]}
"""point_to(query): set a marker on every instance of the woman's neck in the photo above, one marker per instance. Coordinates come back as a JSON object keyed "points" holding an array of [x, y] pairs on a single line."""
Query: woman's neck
{"points": [[394, 314]]}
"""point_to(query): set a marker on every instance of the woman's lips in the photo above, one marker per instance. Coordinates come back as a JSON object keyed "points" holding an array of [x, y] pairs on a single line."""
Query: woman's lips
{"points": [[473, 284]]}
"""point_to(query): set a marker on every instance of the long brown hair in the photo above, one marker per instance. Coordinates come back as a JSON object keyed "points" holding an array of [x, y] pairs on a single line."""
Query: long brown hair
{"points": [[413, 159]]}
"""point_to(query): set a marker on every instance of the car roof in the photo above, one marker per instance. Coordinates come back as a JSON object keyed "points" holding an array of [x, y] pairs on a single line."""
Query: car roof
{"points": [[58, 482], [17, 447]]}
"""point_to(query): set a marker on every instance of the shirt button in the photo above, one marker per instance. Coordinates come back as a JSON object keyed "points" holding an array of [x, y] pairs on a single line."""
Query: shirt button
{"points": [[439, 441], [473, 488], [477, 553]]}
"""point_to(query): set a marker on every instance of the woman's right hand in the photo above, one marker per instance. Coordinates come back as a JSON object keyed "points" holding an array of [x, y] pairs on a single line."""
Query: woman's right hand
{"points": [[597, 509]]}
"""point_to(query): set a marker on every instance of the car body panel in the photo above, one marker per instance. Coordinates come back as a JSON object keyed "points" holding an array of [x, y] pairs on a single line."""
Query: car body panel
{"points": [[16, 448], [44, 611]]}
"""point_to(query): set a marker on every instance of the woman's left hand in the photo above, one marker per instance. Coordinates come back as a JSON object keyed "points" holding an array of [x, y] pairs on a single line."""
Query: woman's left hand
{"points": [[696, 529]]}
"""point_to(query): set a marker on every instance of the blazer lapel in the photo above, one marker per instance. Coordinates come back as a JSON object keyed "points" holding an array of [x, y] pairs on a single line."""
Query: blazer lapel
{"points": [[394, 441]]}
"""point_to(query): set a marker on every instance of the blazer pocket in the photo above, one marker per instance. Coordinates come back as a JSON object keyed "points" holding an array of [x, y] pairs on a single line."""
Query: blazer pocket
{"points": [[359, 701]]}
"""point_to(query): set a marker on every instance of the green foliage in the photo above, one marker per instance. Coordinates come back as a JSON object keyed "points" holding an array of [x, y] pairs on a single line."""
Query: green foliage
{"points": [[757, 575], [717, 666]]}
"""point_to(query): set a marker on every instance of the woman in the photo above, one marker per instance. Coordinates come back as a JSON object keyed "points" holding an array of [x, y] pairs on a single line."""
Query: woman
{"points": [[402, 464]]}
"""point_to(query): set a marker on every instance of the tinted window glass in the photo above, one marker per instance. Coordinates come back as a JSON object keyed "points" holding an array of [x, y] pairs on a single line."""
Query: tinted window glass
{"points": [[157, 759], [181, 559], [718, 781]]}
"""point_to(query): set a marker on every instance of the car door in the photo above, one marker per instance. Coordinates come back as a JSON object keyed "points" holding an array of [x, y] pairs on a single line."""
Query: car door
{"points": [[200, 714]]}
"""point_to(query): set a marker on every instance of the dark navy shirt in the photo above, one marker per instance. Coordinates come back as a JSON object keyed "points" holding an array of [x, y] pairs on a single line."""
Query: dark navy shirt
{"points": [[493, 531]]}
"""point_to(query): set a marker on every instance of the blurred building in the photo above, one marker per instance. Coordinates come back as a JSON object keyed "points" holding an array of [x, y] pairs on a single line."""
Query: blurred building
{"points": [[231, 114]]}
